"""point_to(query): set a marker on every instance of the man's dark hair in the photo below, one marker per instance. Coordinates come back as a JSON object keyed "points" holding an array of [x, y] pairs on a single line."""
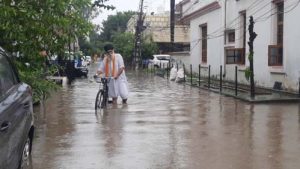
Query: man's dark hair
{"points": [[108, 47]]}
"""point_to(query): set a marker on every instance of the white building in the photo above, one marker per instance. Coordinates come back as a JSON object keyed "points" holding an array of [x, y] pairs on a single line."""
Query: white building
{"points": [[219, 36]]}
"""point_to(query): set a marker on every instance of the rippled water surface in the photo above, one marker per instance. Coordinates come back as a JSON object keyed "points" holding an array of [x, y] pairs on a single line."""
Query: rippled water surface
{"points": [[164, 125]]}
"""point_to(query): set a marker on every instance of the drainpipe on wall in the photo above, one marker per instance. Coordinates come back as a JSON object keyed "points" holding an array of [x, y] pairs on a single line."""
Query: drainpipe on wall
{"points": [[225, 13]]}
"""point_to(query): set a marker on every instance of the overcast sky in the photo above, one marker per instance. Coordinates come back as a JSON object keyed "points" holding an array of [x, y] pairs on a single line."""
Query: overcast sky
{"points": [[133, 5]]}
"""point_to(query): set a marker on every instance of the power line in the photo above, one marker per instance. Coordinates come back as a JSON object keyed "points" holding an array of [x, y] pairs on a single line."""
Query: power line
{"points": [[239, 23], [248, 8], [222, 29], [184, 12], [251, 6], [294, 5]]}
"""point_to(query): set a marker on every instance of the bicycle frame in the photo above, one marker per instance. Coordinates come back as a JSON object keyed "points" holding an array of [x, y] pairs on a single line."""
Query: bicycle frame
{"points": [[105, 82], [102, 95]]}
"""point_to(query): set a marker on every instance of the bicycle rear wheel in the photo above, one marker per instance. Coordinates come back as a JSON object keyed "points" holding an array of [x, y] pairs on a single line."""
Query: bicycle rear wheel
{"points": [[98, 101]]}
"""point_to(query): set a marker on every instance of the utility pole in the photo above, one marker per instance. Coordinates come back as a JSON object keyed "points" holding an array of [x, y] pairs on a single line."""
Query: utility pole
{"points": [[172, 22], [138, 32], [251, 54]]}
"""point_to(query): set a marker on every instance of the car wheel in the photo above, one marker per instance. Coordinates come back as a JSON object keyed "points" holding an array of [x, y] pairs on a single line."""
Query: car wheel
{"points": [[25, 154]]}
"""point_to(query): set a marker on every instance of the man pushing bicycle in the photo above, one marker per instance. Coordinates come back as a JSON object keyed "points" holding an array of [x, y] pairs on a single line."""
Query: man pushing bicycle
{"points": [[113, 67]]}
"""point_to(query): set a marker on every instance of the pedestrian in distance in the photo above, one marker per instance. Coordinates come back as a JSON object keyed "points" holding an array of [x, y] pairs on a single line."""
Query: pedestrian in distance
{"points": [[113, 66]]}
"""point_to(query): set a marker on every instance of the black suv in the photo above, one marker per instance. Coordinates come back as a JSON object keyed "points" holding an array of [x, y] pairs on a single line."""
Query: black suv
{"points": [[16, 116]]}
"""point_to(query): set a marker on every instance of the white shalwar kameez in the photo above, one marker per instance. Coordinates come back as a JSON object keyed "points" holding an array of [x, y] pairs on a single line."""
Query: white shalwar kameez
{"points": [[116, 87]]}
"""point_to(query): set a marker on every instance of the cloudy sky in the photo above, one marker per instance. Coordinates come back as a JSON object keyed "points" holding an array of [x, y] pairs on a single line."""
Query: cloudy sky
{"points": [[133, 5]]}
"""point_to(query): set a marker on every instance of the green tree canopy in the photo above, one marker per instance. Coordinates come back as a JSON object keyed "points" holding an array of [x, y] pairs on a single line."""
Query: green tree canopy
{"points": [[149, 48], [124, 44], [27, 26], [113, 31], [115, 24]]}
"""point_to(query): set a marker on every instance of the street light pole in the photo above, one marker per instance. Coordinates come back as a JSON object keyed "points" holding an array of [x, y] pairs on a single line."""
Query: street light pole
{"points": [[137, 42], [172, 22], [253, 35]]}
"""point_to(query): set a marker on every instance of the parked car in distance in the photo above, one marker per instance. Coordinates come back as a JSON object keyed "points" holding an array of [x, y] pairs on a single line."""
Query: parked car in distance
{"points": [[160, 60], [16, 117], [88, 59], [80, 66]]}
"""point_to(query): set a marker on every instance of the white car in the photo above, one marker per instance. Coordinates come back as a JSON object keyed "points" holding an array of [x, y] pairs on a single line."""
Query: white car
{"points": [[88, 58], [160, 60]]}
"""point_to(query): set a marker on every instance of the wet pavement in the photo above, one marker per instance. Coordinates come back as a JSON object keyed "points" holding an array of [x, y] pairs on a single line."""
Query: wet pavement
{"points": [[164, 126]]}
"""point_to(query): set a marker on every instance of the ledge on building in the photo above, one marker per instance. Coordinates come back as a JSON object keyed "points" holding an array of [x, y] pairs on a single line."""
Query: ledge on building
{"points": [[242, 68], [277, 70], [205, 66], [179, 53]]}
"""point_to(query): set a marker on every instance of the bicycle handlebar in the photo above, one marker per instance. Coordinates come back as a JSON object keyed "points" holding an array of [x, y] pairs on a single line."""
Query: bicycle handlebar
{"points": [[102, 79]]}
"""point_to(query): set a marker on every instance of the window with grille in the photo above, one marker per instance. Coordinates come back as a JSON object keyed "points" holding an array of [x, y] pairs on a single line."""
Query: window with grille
{"points": [[204, 43], [280, 15], [244, 26], [235, 56], [231, 37], [275, 57]]}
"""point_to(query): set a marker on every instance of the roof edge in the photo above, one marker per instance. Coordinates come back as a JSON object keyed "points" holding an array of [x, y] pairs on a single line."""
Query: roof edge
{"points": [[202, 11]]}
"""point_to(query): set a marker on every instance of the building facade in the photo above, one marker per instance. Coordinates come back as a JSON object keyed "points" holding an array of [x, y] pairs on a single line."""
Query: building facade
{"points": [[219, 37], [157, 27]]}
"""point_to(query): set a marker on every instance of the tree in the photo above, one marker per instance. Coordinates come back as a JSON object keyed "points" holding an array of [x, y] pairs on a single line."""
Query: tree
{"points": [[149, 48], [27, 26], [115, 24], [124, 44], [100, 4]]}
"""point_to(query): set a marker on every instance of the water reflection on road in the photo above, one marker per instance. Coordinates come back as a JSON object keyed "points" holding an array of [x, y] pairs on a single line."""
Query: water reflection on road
{"points": [[164, 125]]}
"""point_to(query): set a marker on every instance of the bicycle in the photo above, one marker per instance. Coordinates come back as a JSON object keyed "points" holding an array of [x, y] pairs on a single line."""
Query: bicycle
{"points": [[102, 95]]}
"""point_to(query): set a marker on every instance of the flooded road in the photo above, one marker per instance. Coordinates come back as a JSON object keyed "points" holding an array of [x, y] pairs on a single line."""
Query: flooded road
{"points": [[164, 126]]}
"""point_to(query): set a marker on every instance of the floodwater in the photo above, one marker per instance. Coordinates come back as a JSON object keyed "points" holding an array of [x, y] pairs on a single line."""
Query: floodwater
{"points": [[164, 126]]}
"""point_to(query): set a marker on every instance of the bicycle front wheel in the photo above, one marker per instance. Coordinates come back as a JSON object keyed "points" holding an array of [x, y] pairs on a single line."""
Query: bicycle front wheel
{"points": [[99, 99]]}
